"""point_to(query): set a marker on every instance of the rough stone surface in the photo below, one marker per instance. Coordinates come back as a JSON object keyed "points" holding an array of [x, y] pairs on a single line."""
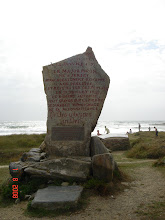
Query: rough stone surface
{"points": [[35, 159], [116, 144], [16, 170], [61, 168], [33, 155], [75, 89], [36, 150], [116, 167], [55, 197], [17, 201], [97, 146], [42, 146], [103, 166]]}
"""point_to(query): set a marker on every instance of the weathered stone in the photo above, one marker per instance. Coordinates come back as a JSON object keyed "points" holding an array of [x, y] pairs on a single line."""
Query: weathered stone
{"points": [[24, 157], [56, 197], [76, 89], [17, 201], [43, 155], [42, 146], [32, 196], [36, 150], [103, 166], [116, 167], [61, 168], [97, 147], [125, 183], [116, 143], [85, 159], [35, 159], [27, 197], [16, 170], [33, 155], [30, 154]]}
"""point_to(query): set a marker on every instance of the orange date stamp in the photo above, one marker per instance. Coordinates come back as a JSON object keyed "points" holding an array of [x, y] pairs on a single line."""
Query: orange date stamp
{"points": [[15, 188]]}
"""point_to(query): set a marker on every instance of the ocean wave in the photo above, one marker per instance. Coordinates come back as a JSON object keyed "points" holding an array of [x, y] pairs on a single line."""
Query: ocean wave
{"points": [[159, 124], [38, 127], [16, 127]]}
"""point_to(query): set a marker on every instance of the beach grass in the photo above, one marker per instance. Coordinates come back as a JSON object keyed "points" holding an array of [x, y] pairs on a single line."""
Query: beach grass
{"points": [[147, 145], [13, 146], [4, 174]]}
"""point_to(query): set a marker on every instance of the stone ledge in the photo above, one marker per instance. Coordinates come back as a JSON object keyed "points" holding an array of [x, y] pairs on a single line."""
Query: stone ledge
{"points": [[55, 197]]}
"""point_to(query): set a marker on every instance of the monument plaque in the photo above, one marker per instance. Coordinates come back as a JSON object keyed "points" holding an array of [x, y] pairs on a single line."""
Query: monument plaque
{"points": [[67, 134], [75, 89]]}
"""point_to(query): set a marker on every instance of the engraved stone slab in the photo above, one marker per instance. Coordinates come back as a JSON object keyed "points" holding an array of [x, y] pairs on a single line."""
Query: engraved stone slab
{"points": [[75, 90], [55, 197], [67, 134]]}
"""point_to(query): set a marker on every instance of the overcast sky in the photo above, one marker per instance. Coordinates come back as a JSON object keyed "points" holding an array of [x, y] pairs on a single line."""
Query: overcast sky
{"points": [[127, 37]]}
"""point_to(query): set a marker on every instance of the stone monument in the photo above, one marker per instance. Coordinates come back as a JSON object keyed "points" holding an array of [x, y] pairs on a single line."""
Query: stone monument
{"points": [[75, 89]]}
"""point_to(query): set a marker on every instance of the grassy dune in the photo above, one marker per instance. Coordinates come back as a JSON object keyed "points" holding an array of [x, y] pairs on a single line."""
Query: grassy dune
{"points": [[144, 145], [12, 146], [147, 145]]}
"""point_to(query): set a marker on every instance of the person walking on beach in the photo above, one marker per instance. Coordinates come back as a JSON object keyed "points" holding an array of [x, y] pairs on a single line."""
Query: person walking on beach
{"points": [[149, 129], [130, 131], [156, 131], [139, 127], [107, 130]]}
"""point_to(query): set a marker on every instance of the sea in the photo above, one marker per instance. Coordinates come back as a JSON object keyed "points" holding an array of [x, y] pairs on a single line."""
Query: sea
{"points": [[115, 127]]}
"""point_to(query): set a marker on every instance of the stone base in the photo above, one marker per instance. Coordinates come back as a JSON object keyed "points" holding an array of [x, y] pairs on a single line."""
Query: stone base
{"points": [[103, 166], [37, 164], [55, 197], [77, 169]]}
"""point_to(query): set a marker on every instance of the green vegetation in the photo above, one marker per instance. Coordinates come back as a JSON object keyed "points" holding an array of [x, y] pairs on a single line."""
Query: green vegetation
{"points": [[152, 211], [24, 188], [4, 174], [147, 145], [160, 162], [13, 146], [98, 186]]}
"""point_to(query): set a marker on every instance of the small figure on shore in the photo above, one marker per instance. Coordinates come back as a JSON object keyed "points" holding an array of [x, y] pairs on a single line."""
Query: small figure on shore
{"points": [[139, 127], [98, 133], [107, 130], [156, 131], [149, 129], [130, 131]]}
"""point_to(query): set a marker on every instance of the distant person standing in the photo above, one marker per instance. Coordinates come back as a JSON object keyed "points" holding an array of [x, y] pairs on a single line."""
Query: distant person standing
{"points": [[156, 131], [139, 127], [149, 129], [107, 130], [130, 131]]}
